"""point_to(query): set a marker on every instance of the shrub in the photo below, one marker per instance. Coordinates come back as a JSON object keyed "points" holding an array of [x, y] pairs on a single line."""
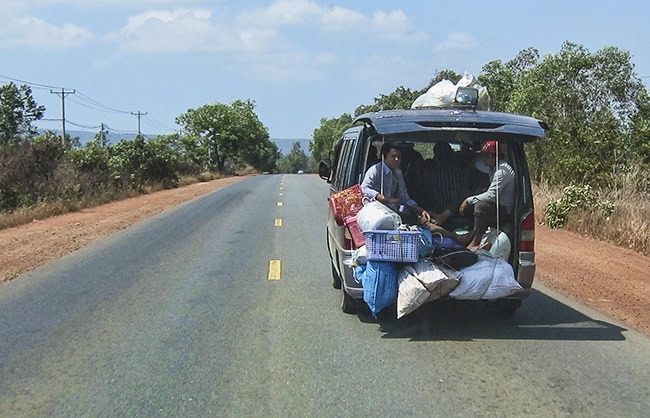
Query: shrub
{"points": [[575, 198]]}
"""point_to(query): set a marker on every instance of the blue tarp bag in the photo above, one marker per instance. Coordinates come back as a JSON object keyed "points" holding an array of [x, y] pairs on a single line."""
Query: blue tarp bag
{"points": [[379, 285], [426, 245], [359, 272]]}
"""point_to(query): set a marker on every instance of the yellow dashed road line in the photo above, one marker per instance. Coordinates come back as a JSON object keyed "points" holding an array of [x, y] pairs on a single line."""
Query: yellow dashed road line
{"points": [[278, 222], [275, 269], [280, 203]]}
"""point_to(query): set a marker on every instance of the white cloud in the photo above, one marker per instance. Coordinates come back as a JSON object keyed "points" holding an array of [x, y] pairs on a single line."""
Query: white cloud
{"points": [[396, 26], [324, 58], [256, 30], [186, 30], [282, 12], [109, 2], [35, 32], [393, 26], [339, 18], [456, 41]]}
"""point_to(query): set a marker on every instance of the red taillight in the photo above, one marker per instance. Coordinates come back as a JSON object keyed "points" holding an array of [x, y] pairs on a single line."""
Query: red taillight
{"points": [[527, 242]]}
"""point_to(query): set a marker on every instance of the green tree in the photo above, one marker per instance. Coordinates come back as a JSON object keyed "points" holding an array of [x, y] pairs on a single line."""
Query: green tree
{"points": [[294, 161], [501, 79], [402, 97], [450, 75], [92, 158], [17, 111], [326, 136], [589, 101], [231, 132]]}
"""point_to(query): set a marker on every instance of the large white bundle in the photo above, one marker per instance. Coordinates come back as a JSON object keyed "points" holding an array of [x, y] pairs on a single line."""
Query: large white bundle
{"points": [[488, 278], [443, 93], [437, 281], [422, 282], [440, 94], [377, 216], [411, 293]]}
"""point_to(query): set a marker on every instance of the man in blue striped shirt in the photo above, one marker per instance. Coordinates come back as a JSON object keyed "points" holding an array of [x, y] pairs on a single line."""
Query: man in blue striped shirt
{"points": [[384, 181]]}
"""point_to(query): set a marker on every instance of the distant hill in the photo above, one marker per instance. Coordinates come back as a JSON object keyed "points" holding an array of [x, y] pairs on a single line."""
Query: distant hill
{"points": [[284, 144]]}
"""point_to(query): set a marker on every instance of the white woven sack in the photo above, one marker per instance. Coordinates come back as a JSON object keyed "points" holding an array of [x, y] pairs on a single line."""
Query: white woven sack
{"points": [[437, 281], [488, 278], [411, 293], [440, 94]]}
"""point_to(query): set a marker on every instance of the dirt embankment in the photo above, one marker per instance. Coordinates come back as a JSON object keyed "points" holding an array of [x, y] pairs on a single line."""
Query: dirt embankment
{"points": [[611, 279]]}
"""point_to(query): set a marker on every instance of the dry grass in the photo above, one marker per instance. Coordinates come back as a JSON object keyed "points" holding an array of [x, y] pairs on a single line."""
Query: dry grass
{"points": [[629, 224], [45, 210], [201, 178]]}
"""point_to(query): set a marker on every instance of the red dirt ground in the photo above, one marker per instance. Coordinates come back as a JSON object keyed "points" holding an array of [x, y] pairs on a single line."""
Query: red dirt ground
{"points": [[614, 280]]}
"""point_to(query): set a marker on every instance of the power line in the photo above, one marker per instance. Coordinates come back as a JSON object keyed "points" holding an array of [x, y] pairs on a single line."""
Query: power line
{"points": [[83, 126], [160, 124], [93, 107], [90, 103], [119, 131], [156, 125], [95, 102], [44, 86]]}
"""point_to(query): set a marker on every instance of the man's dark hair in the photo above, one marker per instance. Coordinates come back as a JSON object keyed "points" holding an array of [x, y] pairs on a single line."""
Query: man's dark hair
{"points": [[385, 149]]}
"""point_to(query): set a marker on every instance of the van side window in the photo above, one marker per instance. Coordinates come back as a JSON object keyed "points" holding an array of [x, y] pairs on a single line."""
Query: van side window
{"points": [[341, 172]]}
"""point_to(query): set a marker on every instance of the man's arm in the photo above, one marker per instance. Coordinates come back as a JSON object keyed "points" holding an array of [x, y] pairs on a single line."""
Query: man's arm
{"points": [[501, 178], [369, 183], [404, 197]]}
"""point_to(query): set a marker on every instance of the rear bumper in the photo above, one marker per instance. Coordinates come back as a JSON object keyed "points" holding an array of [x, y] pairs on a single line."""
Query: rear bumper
{"points": [[526, 273]]}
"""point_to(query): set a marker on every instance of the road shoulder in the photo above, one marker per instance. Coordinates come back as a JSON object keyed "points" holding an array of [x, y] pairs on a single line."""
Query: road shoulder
{"points": [[611, 279], [30, 246]]}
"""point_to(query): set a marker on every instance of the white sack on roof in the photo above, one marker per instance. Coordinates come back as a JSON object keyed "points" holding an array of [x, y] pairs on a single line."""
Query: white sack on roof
{"points": [[443, 94]]}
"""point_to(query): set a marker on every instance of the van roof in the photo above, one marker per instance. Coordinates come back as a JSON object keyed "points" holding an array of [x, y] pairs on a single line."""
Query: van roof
{"points": [[396, 122]]}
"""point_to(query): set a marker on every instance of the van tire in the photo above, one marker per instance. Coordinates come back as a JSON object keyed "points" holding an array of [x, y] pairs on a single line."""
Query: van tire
{"points": [[348, 303], [507, 307], [336, 279]]}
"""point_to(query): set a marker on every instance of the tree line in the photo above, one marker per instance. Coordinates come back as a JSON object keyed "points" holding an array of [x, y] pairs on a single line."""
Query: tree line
{"points": [[595, 105], [44, 168]]}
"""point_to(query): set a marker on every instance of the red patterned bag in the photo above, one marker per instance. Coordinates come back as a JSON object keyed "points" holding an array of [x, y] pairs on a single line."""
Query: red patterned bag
{"points": [[346, 203]]}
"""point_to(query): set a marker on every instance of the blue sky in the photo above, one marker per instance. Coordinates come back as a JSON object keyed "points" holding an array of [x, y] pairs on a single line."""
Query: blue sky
{"points": [[300, 60]]}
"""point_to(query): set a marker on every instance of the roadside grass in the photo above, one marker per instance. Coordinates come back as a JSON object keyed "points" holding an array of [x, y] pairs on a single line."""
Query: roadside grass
{"points": [[628, 226], [45, 210]]}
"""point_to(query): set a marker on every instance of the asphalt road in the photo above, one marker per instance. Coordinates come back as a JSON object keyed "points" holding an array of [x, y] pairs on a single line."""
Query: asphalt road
{"points": [[176, 316]]}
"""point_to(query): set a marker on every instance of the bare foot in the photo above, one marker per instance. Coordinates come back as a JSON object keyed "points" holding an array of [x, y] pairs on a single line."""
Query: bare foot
{"points": [[485, 247]]}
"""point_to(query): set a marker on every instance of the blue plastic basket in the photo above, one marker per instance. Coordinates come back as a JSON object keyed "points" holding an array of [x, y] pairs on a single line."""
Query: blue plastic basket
{"points": [[399, 246]]}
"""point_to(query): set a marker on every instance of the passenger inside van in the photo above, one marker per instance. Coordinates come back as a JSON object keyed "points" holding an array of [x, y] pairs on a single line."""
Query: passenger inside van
{"points": [[483, 206], [384, 182], [447, 182]]}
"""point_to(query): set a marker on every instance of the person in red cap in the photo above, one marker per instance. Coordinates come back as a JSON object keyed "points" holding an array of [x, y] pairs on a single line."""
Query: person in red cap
{"points": [[483, 206]]}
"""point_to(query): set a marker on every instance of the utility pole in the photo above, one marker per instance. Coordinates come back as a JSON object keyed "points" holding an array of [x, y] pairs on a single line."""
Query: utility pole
{"points": [[138, 114], [102, 137], [62, 95]]}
